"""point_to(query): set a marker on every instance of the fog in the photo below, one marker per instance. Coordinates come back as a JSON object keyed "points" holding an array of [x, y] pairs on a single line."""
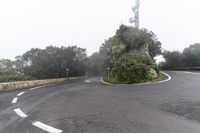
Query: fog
{"points": [[87, 23]]}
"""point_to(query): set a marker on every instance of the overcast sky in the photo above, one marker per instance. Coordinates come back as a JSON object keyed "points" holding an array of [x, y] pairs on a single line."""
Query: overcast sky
{"points": [[25, 24]]}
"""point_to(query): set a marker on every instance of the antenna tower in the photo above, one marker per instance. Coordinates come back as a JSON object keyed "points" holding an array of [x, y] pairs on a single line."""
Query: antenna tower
{"points": [[136, 18]]}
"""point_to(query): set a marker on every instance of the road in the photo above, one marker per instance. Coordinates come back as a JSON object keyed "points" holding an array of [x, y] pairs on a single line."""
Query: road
{"points": [[89, 106]]}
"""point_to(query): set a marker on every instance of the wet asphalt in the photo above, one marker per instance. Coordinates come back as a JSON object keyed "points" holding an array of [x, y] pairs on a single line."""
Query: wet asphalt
{"points": [[93, 107]]}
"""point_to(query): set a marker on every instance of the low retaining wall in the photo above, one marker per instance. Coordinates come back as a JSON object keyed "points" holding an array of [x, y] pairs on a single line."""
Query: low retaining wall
{"points": [[28, 84]]}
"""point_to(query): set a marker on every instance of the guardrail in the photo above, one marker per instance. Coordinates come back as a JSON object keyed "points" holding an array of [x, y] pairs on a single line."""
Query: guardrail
{"points": [[28, 84]]}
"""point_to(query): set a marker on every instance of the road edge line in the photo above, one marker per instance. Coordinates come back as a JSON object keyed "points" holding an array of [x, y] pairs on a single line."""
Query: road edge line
{"points": [[37, 87], [191, 73], [106, 82], [158, 82]]}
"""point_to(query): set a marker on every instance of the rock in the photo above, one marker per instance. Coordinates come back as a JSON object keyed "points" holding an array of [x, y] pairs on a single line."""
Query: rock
{"points": [[153, 73]]}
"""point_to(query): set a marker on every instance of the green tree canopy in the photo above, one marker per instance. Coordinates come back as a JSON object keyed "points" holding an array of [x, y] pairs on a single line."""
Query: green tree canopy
{"points": [[135, 39], [173, 59], [127, 40], [190, 57], [50, 62], [53, 61], [129, 54]]}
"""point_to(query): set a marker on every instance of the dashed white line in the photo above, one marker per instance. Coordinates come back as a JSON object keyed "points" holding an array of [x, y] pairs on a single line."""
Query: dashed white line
{"points": [[21, 93], [14, 100], [35, 88], [46, 127], [20, 113]]}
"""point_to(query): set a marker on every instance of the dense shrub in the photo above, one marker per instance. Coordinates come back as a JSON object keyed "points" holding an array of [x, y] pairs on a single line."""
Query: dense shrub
{"points": [[132, 68], [10, 75]]}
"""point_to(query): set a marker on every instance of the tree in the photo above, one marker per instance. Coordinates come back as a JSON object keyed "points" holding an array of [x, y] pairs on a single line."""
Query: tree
{"points": [[19, 64], [53, 61], [128, 54], [6, 63], [172, 59], [129, 40], [111, 50], [191, 55], [9, 71], [137, 40]]}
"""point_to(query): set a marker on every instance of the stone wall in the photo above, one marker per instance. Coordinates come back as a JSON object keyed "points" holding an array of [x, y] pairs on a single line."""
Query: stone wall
{"points": [[28, 84]]}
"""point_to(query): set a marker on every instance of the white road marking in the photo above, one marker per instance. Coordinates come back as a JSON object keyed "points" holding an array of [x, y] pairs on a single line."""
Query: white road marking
{"points": [[35, 88], [46, 127], [169, 78], [20, 113], [192, 73], [14, 100], [21, 93], [87, 81]]}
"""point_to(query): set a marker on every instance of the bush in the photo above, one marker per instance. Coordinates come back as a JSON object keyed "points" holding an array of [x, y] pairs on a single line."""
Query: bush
{"points": [[11, 75], [131, 68]]}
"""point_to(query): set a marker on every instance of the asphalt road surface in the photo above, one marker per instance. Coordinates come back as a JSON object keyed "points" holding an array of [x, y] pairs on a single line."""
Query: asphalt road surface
{"points": [[89, 106]]}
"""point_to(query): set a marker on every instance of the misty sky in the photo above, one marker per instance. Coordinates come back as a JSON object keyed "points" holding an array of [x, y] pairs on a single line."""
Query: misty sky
{"points": [[25, 24]]}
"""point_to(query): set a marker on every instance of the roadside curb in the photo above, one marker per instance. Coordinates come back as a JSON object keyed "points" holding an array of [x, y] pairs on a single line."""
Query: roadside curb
{"points": [[148, 83], [106, 82], [19, 85]]}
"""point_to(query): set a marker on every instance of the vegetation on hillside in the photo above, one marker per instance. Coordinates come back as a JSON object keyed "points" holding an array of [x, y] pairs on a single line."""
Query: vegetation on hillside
{"points": [[188, 59], [129, 54], [47, 63]]}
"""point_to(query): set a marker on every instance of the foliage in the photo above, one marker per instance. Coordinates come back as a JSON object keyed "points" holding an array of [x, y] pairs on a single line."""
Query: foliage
{"points": [[173, 59], [189, 58], [5, 63], [136, 39], [124, 52], [53, 61], [132, 68], [129, 54], [10, 74], [47, 63], [129, 40], [111, 50]]}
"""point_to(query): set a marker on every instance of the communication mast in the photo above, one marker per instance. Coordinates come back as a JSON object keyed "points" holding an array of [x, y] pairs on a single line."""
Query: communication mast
{"points": [[136, 18]]}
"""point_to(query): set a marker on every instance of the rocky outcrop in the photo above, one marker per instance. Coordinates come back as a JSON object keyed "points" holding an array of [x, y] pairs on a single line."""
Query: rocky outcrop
{"points": [[153, 73]]}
